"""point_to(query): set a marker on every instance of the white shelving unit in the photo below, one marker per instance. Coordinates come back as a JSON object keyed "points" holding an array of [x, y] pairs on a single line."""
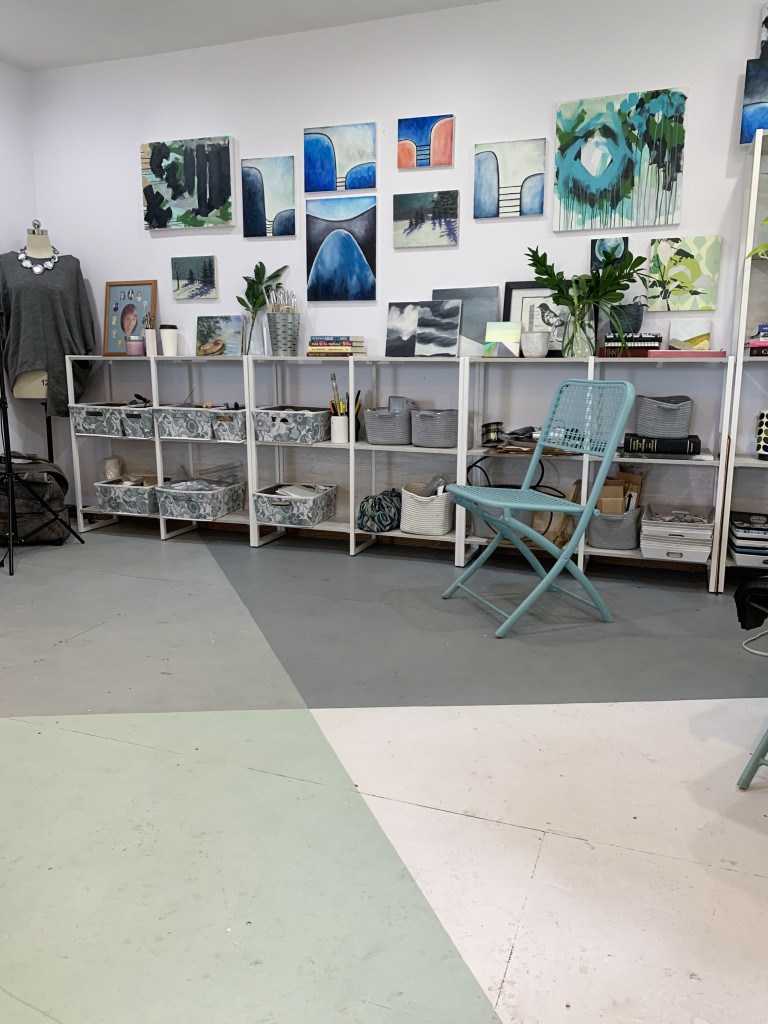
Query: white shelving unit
{"points": [[745, 489]]}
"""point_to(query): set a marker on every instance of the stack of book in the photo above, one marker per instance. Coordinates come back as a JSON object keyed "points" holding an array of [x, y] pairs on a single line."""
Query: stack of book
{"points": [[666, 447], [336, 345]]}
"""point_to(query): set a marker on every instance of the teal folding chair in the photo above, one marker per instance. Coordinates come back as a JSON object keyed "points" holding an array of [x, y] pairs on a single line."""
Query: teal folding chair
{"points": [[585, 418]]}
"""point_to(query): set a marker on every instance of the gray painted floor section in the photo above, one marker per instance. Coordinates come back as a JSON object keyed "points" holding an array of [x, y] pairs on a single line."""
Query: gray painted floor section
{"points": [[373, 631]]}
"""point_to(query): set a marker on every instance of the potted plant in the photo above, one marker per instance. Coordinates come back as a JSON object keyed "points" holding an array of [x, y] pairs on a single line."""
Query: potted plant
{"points": [[256, 289], [586, 294]]}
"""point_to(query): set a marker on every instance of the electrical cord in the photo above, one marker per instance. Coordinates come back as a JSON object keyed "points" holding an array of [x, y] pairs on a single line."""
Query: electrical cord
{"points": [[751, 640], [546, 488]]}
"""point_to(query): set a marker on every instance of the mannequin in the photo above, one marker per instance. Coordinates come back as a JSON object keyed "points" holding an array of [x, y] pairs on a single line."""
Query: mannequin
{"points": [[45, 317]]}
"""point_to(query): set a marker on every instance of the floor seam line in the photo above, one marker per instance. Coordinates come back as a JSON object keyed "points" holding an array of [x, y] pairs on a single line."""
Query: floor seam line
{"points": [[519, 923], [563, 835], [31, 1006]]}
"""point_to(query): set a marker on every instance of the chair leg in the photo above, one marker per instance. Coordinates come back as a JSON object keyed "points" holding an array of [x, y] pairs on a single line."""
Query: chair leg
{"points": [[480, 560], [587, 584], [758, 760]]}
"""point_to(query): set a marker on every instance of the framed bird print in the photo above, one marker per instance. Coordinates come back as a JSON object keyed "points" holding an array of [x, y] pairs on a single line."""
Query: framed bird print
{"points": [[129, 308], [532, 305]]}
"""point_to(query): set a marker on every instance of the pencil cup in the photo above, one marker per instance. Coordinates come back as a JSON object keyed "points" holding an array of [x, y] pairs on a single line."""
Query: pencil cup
{"points": [[284, 333], [150, 341], [339, 429]]}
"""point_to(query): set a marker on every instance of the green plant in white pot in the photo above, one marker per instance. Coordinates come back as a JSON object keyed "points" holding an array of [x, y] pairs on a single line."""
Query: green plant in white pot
{"points": [[256, 290]]}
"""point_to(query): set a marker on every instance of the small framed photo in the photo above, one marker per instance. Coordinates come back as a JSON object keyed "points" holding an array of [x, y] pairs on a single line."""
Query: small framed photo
{"points": [[127, 305], [532, 305]]}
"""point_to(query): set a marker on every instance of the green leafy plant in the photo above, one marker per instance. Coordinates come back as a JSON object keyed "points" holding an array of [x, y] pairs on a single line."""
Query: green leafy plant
{"points": [[256, 290], [601, 290]]}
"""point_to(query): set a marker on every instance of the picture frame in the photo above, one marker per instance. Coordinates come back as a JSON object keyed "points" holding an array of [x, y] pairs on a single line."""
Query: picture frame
{"points": [[522, 300], [126, 303]]}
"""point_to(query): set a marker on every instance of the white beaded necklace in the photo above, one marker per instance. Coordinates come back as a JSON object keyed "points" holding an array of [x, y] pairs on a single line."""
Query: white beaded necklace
{"points": [[38, 268]]}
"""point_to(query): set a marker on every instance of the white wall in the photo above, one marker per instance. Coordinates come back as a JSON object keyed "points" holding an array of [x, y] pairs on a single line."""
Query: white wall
{"points": [[501, 68]]}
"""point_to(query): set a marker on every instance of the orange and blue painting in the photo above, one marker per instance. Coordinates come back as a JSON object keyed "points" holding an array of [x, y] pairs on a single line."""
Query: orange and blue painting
{"points": [[340, 158], [341, 249], [425, 141]]}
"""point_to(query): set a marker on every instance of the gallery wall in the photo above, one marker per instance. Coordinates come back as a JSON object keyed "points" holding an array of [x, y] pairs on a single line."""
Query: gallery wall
{"points": [[500, 68]]}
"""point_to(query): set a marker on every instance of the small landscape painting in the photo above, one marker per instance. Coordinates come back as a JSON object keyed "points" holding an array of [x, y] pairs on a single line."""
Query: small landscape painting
{"points": [[402, 321], [269, 199], [429, 328], [690, 334], [187, 183], [683, 273], [219, 335], [502, 339], [426, 219], [425, 141], [478, 307], [340, 157], [599, 248], [509, 178], [341, 249], [194, 277]]}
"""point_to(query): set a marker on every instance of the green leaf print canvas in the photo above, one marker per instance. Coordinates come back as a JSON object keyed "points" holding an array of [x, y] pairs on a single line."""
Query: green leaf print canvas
{"points": [[683, 273]]}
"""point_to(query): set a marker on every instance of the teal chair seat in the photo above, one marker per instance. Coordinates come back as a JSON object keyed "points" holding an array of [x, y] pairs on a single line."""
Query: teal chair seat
{"points": [[585, 418]]}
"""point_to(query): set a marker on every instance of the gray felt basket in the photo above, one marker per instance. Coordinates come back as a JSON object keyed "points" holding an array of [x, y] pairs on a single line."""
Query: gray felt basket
{"points": [[617, 532], [383, 426], [435, 428], [663, 417]]}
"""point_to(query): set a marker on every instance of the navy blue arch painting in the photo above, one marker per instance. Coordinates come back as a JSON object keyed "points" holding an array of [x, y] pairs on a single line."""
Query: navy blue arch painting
{"points": [[509, 178], [269, 199], [341, 249], [340, 158]]}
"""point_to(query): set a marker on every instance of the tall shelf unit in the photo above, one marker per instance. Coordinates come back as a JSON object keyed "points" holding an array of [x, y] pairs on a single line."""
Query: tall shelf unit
{"points": [[746, 487], [481, 389]]}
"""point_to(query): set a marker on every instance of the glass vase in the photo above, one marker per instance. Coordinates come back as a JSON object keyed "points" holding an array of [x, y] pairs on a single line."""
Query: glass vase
{"points": [[579, 333]]}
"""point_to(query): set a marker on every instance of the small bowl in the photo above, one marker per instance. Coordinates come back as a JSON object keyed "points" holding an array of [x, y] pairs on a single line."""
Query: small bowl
{"points": [[534, 344]]}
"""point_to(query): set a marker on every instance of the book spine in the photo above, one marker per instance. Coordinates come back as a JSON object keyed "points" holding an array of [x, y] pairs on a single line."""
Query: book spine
{"points": [[690, 445]]}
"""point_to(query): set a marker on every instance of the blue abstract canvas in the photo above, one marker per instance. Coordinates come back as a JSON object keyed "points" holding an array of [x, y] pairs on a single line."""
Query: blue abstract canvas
{"points": [[269, 201], [341, 249], [509, 178], [754, 113], [425, 141], [602, 247], [619, 161], [340, 158]]}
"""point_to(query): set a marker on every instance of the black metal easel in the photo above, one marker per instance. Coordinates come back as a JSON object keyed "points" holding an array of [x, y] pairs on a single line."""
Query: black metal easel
{"points": [[10, 480]]}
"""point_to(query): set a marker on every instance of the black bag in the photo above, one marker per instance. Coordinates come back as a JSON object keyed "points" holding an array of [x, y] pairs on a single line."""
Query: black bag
{"points": [[34, 523]]}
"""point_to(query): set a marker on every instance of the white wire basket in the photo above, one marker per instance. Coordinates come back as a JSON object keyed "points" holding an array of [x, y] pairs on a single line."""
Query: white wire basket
{"points": [[430, 517]]}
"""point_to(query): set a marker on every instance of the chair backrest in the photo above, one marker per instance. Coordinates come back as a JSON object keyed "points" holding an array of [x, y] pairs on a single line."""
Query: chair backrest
{"points": [[586, 417]]}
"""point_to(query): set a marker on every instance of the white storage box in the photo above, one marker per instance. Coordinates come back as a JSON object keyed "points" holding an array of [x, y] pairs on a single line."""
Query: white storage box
{"points": [[303, 509], [667, 535], [104, 420], [748, 560], [188, 500], [290, 425]]}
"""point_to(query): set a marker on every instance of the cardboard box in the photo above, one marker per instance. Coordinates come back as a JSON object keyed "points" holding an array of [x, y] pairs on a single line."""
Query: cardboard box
{"points": [[620, 494]]}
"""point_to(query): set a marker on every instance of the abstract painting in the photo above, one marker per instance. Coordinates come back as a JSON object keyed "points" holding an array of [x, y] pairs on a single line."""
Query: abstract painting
{"points": [[437, 331], [340, 158], [341, 249], [502, 340], [425, 141], [599, 248], [764, 31], [187, 183], [690, 334], [683, 273], [619, 161], [754, 113], [509, 178], [194, 277], [478, 307], [402, 321], [269, 201], [425, 219], [219, 335]]}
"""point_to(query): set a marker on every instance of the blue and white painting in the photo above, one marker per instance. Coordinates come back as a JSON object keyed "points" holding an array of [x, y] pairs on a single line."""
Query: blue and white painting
{"points": [[599, 248], [269, 199], [619, 161], [425, 219], [340, 158], [341, 249], [425, 141], [509, 178], [754, 113]]}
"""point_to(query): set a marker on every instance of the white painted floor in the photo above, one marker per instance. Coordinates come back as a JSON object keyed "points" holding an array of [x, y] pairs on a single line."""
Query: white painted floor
{"points": [[591, 862]]}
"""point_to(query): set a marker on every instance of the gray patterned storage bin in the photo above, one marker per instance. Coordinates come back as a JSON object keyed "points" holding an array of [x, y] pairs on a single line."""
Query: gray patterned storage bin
{"points": [[138, 422], [202, 506], [385, 427], [134, 501], [290, 425], [229, 424], [277, 510], [435, 428], [190, 424], [97, 419], [663, 417], [619, 533]]}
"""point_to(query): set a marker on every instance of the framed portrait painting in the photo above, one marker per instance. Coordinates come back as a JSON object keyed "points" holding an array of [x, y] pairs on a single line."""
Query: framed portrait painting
{"points": [[127, 307]]}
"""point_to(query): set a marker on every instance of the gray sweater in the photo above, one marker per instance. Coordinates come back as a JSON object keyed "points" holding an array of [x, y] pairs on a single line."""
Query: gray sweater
{"points": [[45, 317]]}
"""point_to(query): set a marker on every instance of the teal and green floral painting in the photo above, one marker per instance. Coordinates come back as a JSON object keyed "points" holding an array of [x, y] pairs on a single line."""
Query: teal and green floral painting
{"points": [[619, 161], [683, 273]]}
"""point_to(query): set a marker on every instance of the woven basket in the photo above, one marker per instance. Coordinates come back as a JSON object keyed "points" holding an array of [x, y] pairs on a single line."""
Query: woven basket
{"points": [[663, 417], [617, 532], [284, 333], [432, 517], [385, 427], [435, 428]]}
